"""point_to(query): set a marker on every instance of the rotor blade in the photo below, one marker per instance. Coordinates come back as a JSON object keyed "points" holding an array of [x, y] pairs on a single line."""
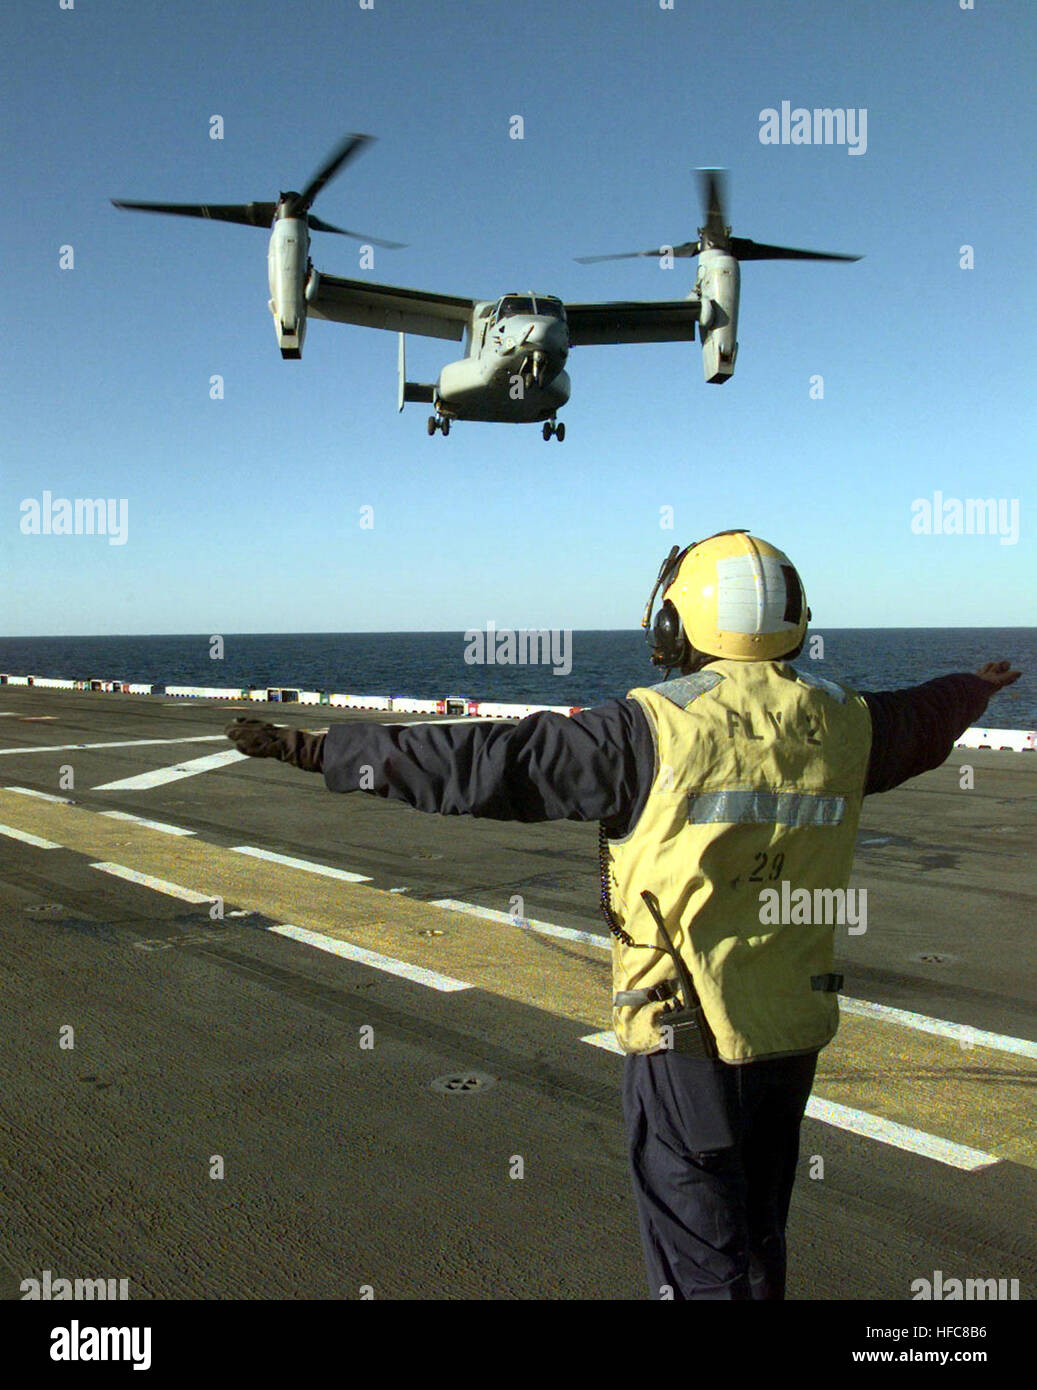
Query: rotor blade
{"points": [[317, 224], [344, 151], [713, 190], [747, 250], [687, 248], [249, 214], [616, 256]]}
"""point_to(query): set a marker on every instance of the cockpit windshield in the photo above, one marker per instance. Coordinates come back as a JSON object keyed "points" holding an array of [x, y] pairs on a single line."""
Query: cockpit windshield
{"points": [[514, 304], [546, 305]]}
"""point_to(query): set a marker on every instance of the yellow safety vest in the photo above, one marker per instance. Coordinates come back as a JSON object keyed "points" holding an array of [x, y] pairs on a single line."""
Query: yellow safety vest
{"points": [[759, 776]]}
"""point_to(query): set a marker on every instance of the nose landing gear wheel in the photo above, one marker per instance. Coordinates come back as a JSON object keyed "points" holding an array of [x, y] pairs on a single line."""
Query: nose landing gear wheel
{"points": [[560, 431], [553, 427], [547, 431]]}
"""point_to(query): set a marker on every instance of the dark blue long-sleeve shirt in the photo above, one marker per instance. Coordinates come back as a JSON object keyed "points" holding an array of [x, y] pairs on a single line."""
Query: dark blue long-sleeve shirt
{"points": [[598, 764]]}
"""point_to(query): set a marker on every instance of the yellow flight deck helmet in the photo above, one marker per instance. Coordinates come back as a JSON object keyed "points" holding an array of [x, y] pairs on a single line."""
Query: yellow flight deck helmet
{"points": [[732, 595]]}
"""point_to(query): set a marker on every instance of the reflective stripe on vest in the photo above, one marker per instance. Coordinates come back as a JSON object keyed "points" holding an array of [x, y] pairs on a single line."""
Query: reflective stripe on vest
{"points": [[758, 781], [757, 808]]}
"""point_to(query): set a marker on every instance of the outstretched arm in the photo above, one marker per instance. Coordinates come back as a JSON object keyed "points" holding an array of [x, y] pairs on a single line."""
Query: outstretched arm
{"points": [[914, 730], [593, 765]]}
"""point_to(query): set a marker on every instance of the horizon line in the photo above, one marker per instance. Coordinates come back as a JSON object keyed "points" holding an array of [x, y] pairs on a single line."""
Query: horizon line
{"points": [[452, 631]]}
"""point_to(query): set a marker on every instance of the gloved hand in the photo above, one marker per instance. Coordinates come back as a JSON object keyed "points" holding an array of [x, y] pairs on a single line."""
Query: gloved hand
{"points": [[295, 746], [998, 674]]}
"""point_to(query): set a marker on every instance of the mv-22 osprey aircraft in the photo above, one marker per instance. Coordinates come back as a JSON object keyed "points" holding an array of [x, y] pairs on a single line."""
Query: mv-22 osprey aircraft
{"points": [[516, 347]]}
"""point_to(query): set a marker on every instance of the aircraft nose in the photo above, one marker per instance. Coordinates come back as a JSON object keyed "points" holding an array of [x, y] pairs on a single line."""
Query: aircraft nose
{"points": [[550, 335]]}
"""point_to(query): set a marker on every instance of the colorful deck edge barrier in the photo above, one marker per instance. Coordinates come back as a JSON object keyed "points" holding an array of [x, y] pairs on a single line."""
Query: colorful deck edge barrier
{"points": [[450, 706]]}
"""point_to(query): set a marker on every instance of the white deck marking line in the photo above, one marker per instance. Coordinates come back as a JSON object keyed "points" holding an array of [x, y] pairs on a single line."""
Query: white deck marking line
{"points": [[151, 824], [43, 796], [28, 839], [348, 951], [963, 1033], [325, 869], [869, 1126], [915, 1141], [588, 938], [160, 885], [122, 743], [162, 775]]}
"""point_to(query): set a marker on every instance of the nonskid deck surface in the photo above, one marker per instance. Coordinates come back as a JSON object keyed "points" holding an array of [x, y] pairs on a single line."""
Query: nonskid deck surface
{"points": [[297, 1035]]}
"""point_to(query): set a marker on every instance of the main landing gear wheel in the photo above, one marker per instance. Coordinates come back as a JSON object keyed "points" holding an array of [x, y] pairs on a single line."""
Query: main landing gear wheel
{"points": [[439, 422], [433, 424], [553, 427]]}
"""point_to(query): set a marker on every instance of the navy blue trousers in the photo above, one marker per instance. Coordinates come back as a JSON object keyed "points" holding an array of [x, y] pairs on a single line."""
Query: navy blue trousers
{"points": [[713, 1151]]}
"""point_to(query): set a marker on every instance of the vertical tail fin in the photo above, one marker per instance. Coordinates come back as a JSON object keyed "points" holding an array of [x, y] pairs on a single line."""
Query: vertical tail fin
{"points": [[411, 390]]}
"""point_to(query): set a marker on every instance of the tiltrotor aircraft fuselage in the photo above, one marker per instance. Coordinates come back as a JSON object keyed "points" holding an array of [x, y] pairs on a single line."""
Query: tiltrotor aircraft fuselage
{"points": [[516, 347]]}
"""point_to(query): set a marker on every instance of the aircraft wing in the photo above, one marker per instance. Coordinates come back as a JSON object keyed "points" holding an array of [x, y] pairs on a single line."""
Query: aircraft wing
{"points": [[631, 321], [390, 307]]}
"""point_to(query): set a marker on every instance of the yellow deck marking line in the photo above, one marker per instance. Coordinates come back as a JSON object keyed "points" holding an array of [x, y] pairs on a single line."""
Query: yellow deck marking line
{"points": [[26, 838], [974, 1094], [41, 796], [572, 981]]}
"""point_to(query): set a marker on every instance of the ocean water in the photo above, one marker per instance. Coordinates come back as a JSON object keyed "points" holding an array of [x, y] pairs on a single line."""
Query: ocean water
{"points": [[604, 664]]}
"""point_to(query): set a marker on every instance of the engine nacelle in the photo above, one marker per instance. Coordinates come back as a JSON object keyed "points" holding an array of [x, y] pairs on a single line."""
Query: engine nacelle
{"points": [[287, 260], [718, 288]]}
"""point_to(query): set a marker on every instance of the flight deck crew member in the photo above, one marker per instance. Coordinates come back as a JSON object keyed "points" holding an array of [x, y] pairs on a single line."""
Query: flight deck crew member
{"points": [[741, 775]]}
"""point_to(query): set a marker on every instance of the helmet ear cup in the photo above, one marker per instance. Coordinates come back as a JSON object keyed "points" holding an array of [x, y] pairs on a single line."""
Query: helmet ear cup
{"points": [[671, 644]]}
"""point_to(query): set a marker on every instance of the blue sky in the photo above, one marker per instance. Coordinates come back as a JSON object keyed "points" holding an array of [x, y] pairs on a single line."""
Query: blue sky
{"points": [[244, 513]]}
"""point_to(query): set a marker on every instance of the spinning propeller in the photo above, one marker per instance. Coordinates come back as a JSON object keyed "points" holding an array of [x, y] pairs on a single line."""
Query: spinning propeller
{"points": [[289, 204], [715, 234]]}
